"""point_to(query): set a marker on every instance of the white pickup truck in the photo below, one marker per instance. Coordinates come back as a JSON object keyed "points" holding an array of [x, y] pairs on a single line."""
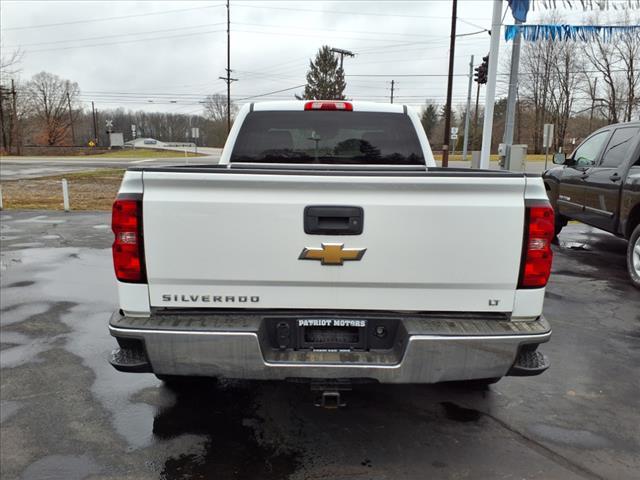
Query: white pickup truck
{"points": [[328, 246]]}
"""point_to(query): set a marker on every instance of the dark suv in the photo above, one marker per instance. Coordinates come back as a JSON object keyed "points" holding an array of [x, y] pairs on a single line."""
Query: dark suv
{"points": [[599, 184]]}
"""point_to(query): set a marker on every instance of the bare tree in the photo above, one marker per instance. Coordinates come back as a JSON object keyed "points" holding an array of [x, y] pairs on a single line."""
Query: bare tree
{"points": [[627, 51], [215, 107], [601, 56], [47, 99], [9, 65], [567, 83], [538, 82]]}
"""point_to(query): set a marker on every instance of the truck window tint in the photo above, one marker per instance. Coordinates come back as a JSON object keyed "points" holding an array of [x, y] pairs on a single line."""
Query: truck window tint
{"points": [[328, 137], [619, 147], [587, 153]]}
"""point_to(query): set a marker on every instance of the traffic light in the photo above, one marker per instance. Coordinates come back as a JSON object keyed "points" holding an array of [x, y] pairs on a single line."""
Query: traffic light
{"points": [[481, 71]]}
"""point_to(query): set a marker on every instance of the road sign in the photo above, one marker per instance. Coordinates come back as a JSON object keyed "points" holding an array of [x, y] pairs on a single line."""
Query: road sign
{"points": [[454, 131], [109, 124], [195, 132], [116, 139], [547, 140], [547, 135], [454, 136]]}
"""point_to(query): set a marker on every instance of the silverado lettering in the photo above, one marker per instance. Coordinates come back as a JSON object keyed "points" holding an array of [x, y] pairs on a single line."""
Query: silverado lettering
{"points": [[210, 298]]}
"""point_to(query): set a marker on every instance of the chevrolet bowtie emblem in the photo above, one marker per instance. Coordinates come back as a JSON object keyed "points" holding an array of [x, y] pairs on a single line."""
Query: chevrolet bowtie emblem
{"points": [[332, 253]]}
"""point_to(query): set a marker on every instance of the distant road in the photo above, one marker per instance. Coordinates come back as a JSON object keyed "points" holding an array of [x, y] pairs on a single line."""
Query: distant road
{"points": [[534, 166], [14, 168]]}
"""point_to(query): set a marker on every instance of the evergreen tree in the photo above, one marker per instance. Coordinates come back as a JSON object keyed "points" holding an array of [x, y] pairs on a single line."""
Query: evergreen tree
{"points": [[325, 79], [429, 118]]}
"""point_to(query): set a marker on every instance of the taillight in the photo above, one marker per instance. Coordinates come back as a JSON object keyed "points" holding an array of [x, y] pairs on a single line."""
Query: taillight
{"points": [[326, 105], [128, 254], [536, 252]]}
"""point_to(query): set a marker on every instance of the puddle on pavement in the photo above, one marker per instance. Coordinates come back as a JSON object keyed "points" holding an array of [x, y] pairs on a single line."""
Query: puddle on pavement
{"points": [[42, 219], [567, 436], [575, 246], [225, 414], [57, 277], [25, 351], [61, 467], [20, 312]]}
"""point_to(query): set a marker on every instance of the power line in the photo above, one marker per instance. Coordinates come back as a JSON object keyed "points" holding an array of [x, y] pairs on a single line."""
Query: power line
{"points": [[271, 93], [377, 33], [404, 75], [124, 41], [344, 12], [105, 19], [112, 36]]}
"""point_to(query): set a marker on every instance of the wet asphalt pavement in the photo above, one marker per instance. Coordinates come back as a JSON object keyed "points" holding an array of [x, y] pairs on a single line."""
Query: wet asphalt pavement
{"points": [[66, 414]]}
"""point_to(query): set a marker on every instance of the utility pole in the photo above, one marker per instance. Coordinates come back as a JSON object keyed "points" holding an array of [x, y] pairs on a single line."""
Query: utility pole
{"points": [[73, 132], [14, 123], [475, 119], [392, 85], [95, 124], [447, 113], [511, 99], [342, 53], [593, 102], [487, 129], [4, 135], [228, 78], [468, 113]]}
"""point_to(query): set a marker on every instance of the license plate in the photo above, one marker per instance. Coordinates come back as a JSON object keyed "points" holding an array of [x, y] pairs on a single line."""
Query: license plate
{"points": [[339, 333], [332, 322]]}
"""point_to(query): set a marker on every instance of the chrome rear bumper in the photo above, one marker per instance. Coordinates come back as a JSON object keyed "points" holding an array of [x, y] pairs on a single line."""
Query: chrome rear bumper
{"points": [[434, 349]]}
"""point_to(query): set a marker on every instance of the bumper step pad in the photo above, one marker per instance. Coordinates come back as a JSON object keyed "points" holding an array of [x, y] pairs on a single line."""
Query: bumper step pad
{"points": [[529, 363], [130, 360]]}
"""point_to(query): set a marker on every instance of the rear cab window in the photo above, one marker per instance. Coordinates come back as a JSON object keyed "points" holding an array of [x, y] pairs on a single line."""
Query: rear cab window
{"points": [[620, 146], [328, 137]]}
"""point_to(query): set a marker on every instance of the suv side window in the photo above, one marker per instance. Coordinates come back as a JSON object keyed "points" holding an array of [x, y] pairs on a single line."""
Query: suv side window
{"points": [[621, 143], [587, 153]]}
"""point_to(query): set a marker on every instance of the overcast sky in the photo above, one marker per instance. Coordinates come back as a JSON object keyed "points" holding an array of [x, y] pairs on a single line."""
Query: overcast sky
{"points": [[166, 55]]}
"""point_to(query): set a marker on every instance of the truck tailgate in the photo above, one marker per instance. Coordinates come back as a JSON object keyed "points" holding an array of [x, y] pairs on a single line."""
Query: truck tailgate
{"points": [[233, 240]]}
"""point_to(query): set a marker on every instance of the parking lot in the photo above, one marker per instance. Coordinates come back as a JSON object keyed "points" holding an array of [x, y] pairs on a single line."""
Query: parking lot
{"points": [[66, 414]]}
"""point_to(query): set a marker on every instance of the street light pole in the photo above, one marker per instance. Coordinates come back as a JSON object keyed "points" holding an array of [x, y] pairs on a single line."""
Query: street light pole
{"points": [[511, 98], [447, 112], [487, 128], [467, 117]]}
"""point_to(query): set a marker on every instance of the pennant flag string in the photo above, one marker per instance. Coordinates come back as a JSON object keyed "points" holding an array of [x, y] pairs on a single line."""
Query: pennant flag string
{"points": [[563, 33]]}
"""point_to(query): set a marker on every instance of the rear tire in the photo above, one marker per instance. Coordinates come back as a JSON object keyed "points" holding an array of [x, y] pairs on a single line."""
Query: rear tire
{"points": [[633, 257]]}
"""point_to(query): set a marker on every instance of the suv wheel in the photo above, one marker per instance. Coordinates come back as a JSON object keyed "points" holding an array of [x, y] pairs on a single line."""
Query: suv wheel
{"points": [[560, 223], [633, 257]]}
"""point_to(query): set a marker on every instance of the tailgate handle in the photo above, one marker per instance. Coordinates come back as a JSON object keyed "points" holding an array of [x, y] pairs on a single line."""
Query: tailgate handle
{"points": [[333, 220]]}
